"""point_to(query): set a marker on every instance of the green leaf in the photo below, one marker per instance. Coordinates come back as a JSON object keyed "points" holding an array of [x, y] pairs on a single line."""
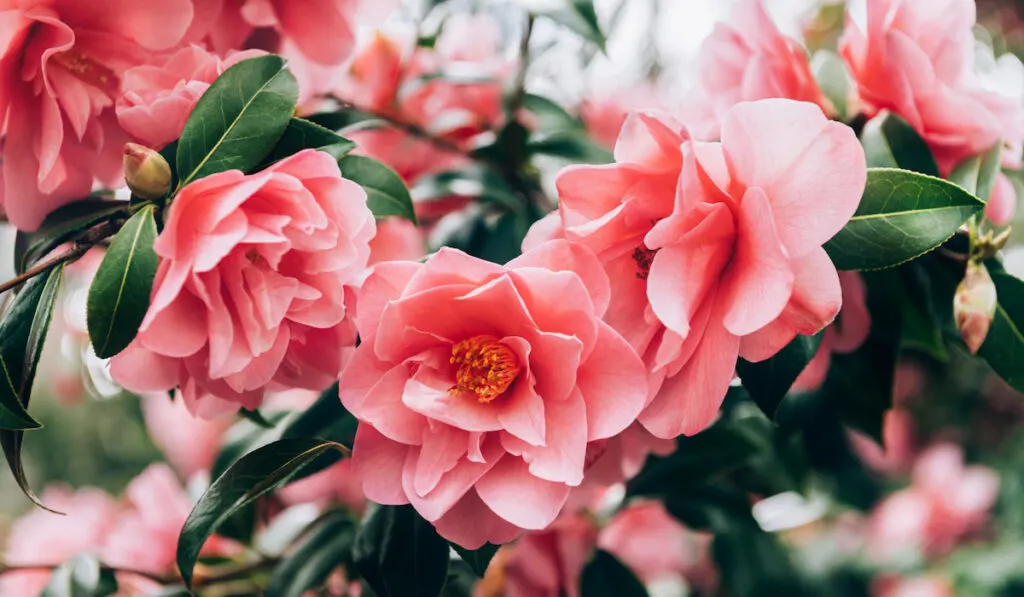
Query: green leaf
{"points": [[346, 118], [889, 142], [569, 145], [81, 576], [476, 182], [302, 134], [307, 567], [579, 16], [830, 72], [901, 216], [254, 475], [62, 225], [245, 436], [399, 554], [605, 576], [549, 115], [256, 417], [119, 295], [22, 334], [1004, 346], [238, 120], [386, 194], [477, 559], [977, 174], [769, 381]]}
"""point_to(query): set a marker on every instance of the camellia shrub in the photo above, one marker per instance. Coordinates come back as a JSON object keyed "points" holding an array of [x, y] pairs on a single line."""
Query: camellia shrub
{"points": [[404, 327]]}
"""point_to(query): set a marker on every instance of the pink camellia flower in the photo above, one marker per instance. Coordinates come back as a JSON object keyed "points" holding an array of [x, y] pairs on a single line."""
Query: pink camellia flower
{"points": [[254, 286], [917, 58], [945, 503], [657, 548], [545, 563], [714, 249], [604, 113], [397, 239], [190, 444], [335, 485], [46, 539], [157, 99], [748, 59], [845, 335], [479, 387], [60, 69], [899, 443]]}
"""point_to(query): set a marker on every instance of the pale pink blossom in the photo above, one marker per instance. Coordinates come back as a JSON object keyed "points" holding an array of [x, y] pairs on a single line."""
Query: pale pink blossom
{"points": [[745, 59], [337, 484], [60, 71], [189, 444], [254, 286], [397, 239], [714, 249], [845, 335], [479, 387], [899, 443], [157, 98]]}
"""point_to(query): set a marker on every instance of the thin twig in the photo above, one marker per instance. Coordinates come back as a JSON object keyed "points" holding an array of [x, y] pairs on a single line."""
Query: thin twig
{"points": [[74, 253], [408, 127], [518, 94]]}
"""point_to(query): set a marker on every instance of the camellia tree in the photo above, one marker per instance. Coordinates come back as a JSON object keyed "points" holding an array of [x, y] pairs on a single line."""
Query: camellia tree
{"points": [[341, 278]]}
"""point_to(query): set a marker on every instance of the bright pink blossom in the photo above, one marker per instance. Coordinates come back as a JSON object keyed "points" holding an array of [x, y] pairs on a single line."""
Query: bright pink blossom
{"points": [[714, 249], [748, 59], [60, 68], [917, 59], [157, 98], [254, 286], [845, 335], [479, 387], [946, 502], [190, 444]]}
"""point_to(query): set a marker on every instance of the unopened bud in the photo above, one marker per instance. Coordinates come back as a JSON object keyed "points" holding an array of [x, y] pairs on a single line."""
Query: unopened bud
{"points": [[974, 305], [146, 171]]}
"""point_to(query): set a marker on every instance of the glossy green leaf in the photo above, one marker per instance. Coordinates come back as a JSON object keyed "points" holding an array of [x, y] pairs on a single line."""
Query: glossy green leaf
{"points": [[386, 194], [889, 142], [81, 576], [119, 295], [830, 72], [62, 225], [605, 576], [1004, 346], [307, 567], [255, 474], [769, 381], [579, 16], [477, 182], [901, 216], [399, 554], [477, 559], [238, 120], [302, 134], [256, 417], [548, 115], [977, 174], [569, 145], [346, 119]]}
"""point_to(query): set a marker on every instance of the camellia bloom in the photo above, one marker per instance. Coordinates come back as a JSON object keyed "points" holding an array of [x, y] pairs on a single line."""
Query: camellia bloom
{"points": [[845, 335], [188, 443], [479, 387], [917, 58], [157, 99], [748, 59], [60, 69], [714, 249], [253, 288]]}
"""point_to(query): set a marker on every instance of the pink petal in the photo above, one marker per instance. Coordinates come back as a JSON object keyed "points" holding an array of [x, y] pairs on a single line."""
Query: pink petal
{"points": [[379, 462], [613, 383], [519, 497], [427, 393], [560, 255], [385, 284], [442, 448], [140, 370], [562, 456], [453, 485], [651, 140], [470, 524], [1002, 203]]}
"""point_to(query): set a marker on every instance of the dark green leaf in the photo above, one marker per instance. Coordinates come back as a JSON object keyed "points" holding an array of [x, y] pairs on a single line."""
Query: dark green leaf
{"points": [[119, 295], [477, 182], [549, 115], [1004, 345], [399, 554], [81, 576], [346, 118], [238, 120], [64, 224], [254, 475], [605, 576], [244, 437], [386, 194], [477, 559], [303, 134], [902, 216], [578, 15], [977, 174], [769, 381], [889, 142], [568, 145], [830, 72], [256, 417], [307, 567], [22, 334]]}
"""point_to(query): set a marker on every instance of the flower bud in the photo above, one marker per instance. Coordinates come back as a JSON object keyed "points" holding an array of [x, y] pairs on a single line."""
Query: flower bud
{"points": [[146, 171], [974, 305]]}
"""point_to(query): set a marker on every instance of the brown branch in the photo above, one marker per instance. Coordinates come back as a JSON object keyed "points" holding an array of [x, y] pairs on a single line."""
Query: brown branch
{"points": [[74, 253]]}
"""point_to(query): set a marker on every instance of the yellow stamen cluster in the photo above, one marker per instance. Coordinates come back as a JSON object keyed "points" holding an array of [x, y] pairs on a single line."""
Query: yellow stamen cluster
{"points": [[486, 367]]}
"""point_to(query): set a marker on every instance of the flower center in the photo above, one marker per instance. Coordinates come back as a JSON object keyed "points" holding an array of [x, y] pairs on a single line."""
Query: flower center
{"points": [[486, 367], [87, 70], [643, 257]]}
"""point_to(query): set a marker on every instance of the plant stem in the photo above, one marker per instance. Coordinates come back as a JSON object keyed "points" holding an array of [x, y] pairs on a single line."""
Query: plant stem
{"points": [[74, 253]]}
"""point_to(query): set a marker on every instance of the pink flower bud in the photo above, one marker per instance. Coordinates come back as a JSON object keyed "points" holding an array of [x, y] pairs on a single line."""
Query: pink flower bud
{"points": [[146, 171], [974, 305]]}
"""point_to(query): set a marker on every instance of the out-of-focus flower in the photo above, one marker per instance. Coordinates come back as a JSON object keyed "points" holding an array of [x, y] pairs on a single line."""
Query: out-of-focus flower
{"points": [[335, 485], [189, 443], [923, 586], [479, 387], [896, 453], [604, 113], [744, 60], [974, 305], [252, 291], [845, 335], [397, 239]]}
